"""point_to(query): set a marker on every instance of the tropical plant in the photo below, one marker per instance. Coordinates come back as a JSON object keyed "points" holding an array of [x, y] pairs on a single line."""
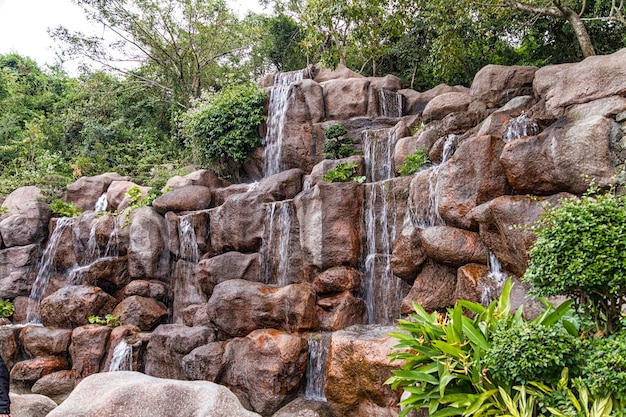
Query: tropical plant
{"points": [[580, 252], [108, 320], [344, 172], [6, 308], [63, 209], [338, 145], [415, 162]]}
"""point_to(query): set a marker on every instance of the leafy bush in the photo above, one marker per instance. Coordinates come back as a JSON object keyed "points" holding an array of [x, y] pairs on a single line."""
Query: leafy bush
{"points": [[109, 320], [63, 209], [344, 172], [528, 352], [580, 252], [223, 127], [6, 308], [338, 145], [605, 368], [414, 162]]}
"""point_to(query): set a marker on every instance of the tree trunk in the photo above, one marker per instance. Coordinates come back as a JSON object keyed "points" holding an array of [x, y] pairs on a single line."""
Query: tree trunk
{"points": [[579, 30]]}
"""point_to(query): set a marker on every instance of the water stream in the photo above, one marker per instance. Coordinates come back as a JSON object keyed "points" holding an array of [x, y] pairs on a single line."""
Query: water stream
{"points": [[186, 290], [519, 127], [275, 254], [276, 116], [390, 103], [496, 278], [122, 359], [319, 346]]}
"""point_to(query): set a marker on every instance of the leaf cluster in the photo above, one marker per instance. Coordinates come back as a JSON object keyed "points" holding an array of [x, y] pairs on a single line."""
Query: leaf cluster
{"points": [[338, 145], [63, 209], [6, 308], [414, 162], [108, 320], [344, 172]]}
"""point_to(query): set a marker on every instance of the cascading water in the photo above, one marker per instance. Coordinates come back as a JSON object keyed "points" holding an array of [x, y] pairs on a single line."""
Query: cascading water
{"points": [[390, 103], [319, 346], [382, 291], [276, 115], [496, 279], [45, 270], [275, 246], [187, 290], [122, 359], [519, 127], [101, 204]]}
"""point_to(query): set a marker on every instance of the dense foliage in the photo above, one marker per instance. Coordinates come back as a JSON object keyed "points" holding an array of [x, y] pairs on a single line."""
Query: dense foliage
{"points": [[580, 252], [344, 172], [414, 162], [337, 144]]}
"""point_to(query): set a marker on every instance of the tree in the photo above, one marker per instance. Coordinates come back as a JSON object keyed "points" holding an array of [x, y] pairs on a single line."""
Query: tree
{"points": [[185, 43]]}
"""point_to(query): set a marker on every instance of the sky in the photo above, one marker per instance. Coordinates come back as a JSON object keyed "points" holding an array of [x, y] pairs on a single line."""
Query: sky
{"points": [[24, 24]]}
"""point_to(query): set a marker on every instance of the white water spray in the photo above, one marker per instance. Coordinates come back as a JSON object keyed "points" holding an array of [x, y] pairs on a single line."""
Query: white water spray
{"points": [[390, 103], [519, 127], [496, 279], [319, 346], [122, 359], [275, 246], [101, 204]]}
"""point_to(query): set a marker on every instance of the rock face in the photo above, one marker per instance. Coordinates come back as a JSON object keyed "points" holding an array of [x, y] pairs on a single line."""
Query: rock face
{"points": [[132, 393], [290, 285]]}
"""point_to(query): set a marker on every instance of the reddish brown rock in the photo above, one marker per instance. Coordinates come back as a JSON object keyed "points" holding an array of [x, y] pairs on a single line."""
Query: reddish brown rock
{"points": [[205, 363], [337, 279], [291, 308], [284, 185], [195, 225], [129, 334], [358, 366], [85, 191], [31, 405], [148, 257], [230, 265], [189, 198], [341, 311], [265, 368], [27, 227], [408, 255], [444, 104], [142, 312], [322, 168], [452, 246], [88, 349], [327, 207], [324, 74], [301, 407], [16, 270], [30, 370], [169, 343], [346, 98], [110, 273], [415, 102], [504, 226], [116, 193], [57, 385], [9, 345], [565, 157], [237, 225], [471, 177], [564, 86], [433, 289], [471, 282], [204, 177], [71, 306], [143, 288], [424, 139], [495, 85], [43, 341]]}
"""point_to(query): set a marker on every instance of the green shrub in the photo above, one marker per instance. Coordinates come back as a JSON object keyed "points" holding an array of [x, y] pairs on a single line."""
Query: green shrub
{"points": [[344, 172], [109, 320], [3, 210], [338, 145], [63, 209], [529, 352], [604, 372], [223, 127], [6, 308], [580, 252], [414, 162]]}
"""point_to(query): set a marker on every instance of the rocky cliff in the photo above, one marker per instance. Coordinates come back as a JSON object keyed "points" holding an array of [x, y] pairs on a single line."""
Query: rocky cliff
{"points": [[289, 286]]}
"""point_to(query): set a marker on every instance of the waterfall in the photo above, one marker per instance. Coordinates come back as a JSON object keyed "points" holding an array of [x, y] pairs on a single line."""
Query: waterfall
{"points": [[101, 204], [519, 127], [381, 291], [276, 116], [319, 346], [275, 246], [390, 103], [253, 186], [496, 278], [122, 359], [186, 290], [45, 270]]}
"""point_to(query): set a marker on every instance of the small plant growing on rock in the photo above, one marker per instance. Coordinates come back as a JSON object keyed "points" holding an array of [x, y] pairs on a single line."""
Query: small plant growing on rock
{"points": [[6, 308], [344, 172], [63, 209], [109, 320], [338, 145], [3, 210], [414, 163]]}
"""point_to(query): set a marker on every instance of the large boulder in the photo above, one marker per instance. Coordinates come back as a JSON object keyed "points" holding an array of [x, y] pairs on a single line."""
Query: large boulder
{"points": [[434, 288], [57, 385], [495, 85], [109, 273], [27, 372], [206, 362], [169, 343], [290, 308], [237, 225], [565, 157], [452, 246], [407, 255], [444, 104], [188, 198], [16, 270], [30, 405], [125, 393], [567, 85], [116, 193], [86, 191], [341, 311], [72, 305], [44, 341], [230, 265], [142, 312], [88, 348], [204, 177], [325, 207], [26, 221], [265, 368], [346, 98], [337, 279], [358, 366], [148, 257], [284, 185]]}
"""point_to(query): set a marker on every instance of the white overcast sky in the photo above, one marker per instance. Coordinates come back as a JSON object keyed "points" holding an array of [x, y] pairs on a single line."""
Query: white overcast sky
{"points": [[24, 24]]}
